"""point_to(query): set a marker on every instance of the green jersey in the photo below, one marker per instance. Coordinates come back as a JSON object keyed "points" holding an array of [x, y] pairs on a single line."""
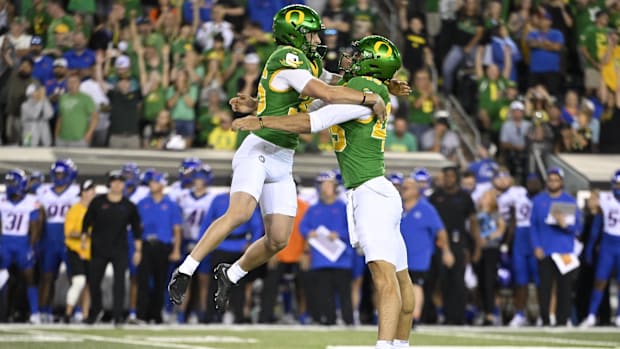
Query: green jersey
{"points": [[595, 40], [359, 144], [282, 102]]}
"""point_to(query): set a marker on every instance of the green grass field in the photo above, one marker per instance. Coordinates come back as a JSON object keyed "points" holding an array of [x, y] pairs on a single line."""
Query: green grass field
{"points": [[264, 337]]}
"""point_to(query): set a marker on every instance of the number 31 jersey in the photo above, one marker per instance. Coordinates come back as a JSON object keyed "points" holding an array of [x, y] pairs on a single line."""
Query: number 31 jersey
{"points": [[16, 216], [611, 213]]}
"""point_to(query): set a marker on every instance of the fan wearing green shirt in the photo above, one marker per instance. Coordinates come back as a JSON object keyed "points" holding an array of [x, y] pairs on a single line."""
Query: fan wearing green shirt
{"points": [[60, 27], [491, 90], [592, 41], [77, 116], [399, 139]]}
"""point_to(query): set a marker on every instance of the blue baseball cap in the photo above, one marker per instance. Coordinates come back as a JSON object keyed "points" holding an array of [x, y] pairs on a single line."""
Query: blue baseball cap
{"points": [[556, 171]]}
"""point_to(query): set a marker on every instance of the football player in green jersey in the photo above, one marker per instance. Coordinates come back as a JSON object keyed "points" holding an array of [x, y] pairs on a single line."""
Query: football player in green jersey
{"points": [[262, 166], [374, 204]]}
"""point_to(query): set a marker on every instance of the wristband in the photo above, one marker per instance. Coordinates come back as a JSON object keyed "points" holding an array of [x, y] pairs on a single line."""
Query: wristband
{"points": [[260, 122], [363, 99]]}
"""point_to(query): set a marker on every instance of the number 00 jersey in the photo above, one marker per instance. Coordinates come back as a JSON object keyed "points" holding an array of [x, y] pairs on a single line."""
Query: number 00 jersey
{"points": [[611, 213], [16, 216], [359, 144], [282, 102]]}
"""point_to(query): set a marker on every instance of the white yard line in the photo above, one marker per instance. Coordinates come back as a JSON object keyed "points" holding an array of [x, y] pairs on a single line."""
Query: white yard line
{"points": [[528, 338], [143, 342], [449, 347]]}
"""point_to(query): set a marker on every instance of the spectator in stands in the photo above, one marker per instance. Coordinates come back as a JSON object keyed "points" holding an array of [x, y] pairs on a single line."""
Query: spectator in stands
{"points": [[503, 48], [94, 86], [559, 129], [125, 112], [17, 37], [441, 138], [335, 16], [217, 25], [513, 138], [610, 142], [156, 136], [326, 222], [399, 139], [122, 69], [571, 106], [153, 86], [417, 54], [181, 98], [223, 137], [364, 17], [585, 132], [492, 85], [211, 104], [424, 103], [18, 82], [80, 57], [553, 231], [540, 137], [60, 27], [333, 53], [469, 32], [161, 222], [77, 116], [248, 82], [591, 42], [262, 11], [56, 85], [36, 111], [43, 64], [545, 45], [492, 229], [39, 17]]}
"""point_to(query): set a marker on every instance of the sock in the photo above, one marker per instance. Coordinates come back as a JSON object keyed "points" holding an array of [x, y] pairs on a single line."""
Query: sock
{"points": [[33, 299], [181, 317], [595, 301], [235, 273], [384, 345], [132, 311], [520, 313], [189, 266], [398, 344]]}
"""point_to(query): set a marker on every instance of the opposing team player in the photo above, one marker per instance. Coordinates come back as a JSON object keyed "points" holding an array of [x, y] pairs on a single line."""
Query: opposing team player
{"points": [[262, 166], [374, 204], [195, 203], [524, 263], [188, 168], [608, 220], [56, 198], [20, 213], [135, 191]]}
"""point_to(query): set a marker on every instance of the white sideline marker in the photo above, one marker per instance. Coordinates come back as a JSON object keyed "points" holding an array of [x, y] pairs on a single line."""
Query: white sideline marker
{"points": [[452, 347]]}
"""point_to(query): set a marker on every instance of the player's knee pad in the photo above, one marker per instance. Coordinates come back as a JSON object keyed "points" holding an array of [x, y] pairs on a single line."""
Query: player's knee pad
{"points": [[77, 285]]}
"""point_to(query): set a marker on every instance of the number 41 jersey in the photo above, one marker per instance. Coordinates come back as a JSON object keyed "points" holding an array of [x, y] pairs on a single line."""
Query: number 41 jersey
{"points": [[16, 216], [611, 213]]}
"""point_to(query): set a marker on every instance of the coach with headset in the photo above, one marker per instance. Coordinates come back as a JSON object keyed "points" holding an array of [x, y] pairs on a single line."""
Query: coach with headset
{"points": [[106, 221]]}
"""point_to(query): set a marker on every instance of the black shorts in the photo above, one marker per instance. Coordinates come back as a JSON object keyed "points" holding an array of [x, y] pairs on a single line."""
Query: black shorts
{"points": [[418, 277], [75, 264]]}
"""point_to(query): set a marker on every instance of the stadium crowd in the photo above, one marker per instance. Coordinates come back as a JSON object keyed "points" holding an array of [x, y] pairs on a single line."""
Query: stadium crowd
{"points": [[157, 74], [476, 244]]}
